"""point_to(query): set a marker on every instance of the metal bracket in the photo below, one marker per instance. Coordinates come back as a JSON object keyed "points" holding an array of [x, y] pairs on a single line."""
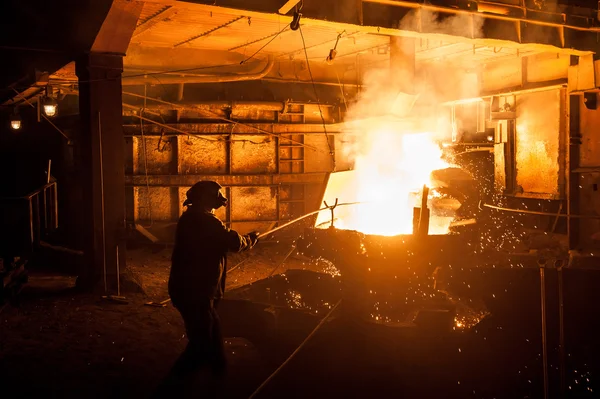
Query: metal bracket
{"points": [[331, 208]]}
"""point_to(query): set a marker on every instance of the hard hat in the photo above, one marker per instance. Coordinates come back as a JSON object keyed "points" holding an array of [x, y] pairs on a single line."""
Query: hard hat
{"points": [[202, 190]]}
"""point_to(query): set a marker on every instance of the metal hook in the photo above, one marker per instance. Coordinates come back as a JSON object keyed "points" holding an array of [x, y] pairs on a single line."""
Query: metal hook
{"points": [[331, 208]]}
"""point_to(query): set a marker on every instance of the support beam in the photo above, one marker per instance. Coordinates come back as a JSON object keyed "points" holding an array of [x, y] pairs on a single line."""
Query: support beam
{"points": [[226, 180], [162, 15], [402, 63], [102, 155], [383, 17], [573, 197], [115, 34]]}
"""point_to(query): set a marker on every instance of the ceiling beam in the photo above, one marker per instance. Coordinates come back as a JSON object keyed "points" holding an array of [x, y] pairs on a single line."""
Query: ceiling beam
{"points": [[208, 32], [382, 16], [162, 15], [286, 29]]}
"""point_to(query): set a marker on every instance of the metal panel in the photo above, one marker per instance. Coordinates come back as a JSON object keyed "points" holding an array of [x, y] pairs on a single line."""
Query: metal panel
{"points": [[590, 137], [156, 207], [589, 204], [253, 203], [546, 67], [499, 167], [226, 180], [500, 75], [319, 159], [253, 154], [344, 143], [158, 155], [197, 155], [537, 146]]}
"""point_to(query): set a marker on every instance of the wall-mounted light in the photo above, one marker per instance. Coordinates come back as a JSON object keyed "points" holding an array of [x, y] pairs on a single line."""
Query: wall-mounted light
{"points": [[15, 120], [50, 107], [333, 51], [295, 24]]}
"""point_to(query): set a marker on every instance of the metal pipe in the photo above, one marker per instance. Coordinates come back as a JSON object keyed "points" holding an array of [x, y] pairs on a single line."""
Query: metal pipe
{"points": [[283, 261], [118, 274], [561, 332], [213, 115], [544, 337], [170, 79], [304, 217], [219, 105], [430, 7], [102, 201], [321, 323], [541, 213]]}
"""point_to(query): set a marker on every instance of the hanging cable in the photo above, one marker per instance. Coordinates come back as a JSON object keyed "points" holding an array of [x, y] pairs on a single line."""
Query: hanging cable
{"points": [[269, 42], [215, 116], [295, 352], [331, 153], [148, 203], [341, 89]]}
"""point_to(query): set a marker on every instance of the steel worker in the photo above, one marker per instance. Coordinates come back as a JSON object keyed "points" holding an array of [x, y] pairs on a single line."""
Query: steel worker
{"points": [[197, 279]]}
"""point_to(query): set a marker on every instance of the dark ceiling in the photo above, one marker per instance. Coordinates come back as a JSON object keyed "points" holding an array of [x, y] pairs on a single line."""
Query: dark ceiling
{"points": [[44, 36]]}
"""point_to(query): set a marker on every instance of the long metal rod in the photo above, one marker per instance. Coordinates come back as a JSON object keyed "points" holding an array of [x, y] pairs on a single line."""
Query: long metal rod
{"points": [[118, 274], [407, 4], [541, 213], [304, 217], [561, 332], [544, 332], [283, 261], [312, 333], [102, 202]]}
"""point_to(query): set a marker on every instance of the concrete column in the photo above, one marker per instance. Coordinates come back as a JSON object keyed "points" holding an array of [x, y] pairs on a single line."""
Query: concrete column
{"points": [[402, 63], [102, 150]]}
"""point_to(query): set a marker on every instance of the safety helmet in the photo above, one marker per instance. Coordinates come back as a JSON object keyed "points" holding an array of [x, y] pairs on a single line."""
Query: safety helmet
{"points": [[205, 193]]}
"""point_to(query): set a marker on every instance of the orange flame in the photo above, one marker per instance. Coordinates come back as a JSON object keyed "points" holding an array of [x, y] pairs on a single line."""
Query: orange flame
{"points": [[392, 163]]}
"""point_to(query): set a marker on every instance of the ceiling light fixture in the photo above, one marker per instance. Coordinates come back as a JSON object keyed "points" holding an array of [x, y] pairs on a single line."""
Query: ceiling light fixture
{"points": [[50, 107], [15, 120], [295, 24], [333, 51]]}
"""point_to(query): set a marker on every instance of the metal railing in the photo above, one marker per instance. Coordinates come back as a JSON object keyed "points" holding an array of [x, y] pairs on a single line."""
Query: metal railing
{"points": [[34, 216]]}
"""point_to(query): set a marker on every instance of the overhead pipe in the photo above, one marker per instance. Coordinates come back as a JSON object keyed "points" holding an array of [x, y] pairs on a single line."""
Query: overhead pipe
{"points": [[169, 78], [219, 105], [500, 17]]}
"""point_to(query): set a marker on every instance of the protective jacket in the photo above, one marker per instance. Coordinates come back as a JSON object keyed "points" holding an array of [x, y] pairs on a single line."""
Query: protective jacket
{"points": [[199, 258]]}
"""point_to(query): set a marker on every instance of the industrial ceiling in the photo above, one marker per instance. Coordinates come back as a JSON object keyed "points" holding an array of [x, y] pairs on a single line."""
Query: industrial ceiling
{"points": [[178, 37]]}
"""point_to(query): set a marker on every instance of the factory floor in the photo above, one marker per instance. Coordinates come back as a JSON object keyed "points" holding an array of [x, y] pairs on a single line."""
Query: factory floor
{"points": [[63, 344], [59, 343]]}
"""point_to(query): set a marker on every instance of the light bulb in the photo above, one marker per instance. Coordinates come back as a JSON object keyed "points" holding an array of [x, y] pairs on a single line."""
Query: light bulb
{"points": [[50, 109], [15, 124]]}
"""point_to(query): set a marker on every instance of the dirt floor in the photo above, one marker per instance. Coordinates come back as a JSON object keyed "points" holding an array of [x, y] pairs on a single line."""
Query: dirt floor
{"points": [[59, 343]]}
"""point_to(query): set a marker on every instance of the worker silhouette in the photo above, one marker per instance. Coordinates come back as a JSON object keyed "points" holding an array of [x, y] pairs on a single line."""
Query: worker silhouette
{"points": [[197, 278]]}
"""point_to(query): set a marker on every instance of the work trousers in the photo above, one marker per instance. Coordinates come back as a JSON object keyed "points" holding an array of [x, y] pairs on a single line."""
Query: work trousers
{"points": [[205, 340]]}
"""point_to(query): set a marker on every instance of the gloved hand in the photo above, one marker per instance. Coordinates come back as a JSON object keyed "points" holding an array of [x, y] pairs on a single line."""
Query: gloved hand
{"points": [[253, 237]]}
